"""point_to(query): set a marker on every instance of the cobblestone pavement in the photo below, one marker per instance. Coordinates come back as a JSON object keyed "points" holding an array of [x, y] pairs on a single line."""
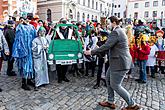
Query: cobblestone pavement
{"points": [[77, 95]]}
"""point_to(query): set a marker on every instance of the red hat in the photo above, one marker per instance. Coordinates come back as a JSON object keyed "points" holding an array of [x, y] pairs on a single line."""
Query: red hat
{"points": [[160, 32], [34, 24]]}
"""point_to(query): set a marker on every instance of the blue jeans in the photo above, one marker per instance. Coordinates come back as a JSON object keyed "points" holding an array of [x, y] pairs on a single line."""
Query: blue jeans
{"points": [[114, 83], [143, 74]]}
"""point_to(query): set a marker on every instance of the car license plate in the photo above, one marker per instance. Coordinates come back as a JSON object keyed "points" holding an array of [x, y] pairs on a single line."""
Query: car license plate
{"points": [[65, 62]]}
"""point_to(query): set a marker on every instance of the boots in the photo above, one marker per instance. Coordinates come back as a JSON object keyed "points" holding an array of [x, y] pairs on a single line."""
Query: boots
{"points": [[30, 82], [0, 90], [24, 85]]}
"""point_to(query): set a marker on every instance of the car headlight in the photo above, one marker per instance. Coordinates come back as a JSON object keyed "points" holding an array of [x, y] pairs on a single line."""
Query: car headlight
{"points": [[51, 56], [79, 55]]}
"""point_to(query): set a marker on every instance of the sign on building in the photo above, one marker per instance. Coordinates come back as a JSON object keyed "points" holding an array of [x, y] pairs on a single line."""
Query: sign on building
{"points": [[26, 6]]}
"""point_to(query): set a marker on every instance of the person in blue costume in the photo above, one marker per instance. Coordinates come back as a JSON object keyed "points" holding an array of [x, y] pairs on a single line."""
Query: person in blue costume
{"points": [[22, 52]]}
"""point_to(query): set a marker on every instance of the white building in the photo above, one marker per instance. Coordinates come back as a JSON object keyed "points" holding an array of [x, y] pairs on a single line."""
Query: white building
{"points": [[80, 10], [119, 8], [147, 9]]}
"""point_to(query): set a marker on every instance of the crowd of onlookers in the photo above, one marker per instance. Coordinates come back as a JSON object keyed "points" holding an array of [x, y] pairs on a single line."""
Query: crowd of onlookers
{"points": [[26, 42], [147, 46]]}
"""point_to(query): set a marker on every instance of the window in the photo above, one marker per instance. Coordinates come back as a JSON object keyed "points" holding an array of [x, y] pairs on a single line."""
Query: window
{"points": [[83, 17], [49, 15], [162, 15], [95, 19], [92, 17], [92, 4], [96, 5], [136, 15], [155, 3], [78, 1], [88, 16], [146, 14], [154, 14], [84, 2], [105, 11], [136, 5], [101, 7], [163, 2], [88, 3], [70, 14], [107, 4], [115, 14], [78, 16], [108, 12], [119, 6], [147, 4], [115, 6], [118, 15]]}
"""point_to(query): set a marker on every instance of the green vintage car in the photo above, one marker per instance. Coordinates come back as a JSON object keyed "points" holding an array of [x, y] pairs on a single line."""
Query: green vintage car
{"points": [[65, 51]]}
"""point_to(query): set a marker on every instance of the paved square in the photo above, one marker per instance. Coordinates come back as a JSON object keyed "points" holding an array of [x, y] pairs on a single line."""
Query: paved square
{"points": [[77, 95]]}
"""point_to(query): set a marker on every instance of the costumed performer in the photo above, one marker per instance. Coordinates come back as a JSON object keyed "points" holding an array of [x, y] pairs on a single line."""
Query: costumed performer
{"points": [[39, 48], [22, 52], [143, 52]]}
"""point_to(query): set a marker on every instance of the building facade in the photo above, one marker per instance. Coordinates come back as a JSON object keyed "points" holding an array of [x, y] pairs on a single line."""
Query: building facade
{"points": [[7, 8], [119, 8], [16, 8], [79, 10], [146, 9]]}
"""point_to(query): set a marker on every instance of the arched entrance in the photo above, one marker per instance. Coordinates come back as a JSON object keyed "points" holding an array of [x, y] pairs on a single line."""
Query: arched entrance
{"points": [[70, 14]]}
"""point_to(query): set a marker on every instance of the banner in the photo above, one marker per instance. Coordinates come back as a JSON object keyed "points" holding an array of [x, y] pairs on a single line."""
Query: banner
{"points": [[26, 6]]}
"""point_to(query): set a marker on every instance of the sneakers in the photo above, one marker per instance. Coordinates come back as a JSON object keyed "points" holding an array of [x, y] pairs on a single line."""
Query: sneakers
{"points": [[135, 107]]}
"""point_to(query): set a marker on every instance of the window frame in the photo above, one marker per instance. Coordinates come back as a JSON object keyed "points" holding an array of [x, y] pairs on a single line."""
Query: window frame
{"points": [[146, 13], [147, 3], [89, 3], [93, 5], [153, 13], [163, 2], [136, 5], [96, 5], [83, 2], [154, 3]]}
